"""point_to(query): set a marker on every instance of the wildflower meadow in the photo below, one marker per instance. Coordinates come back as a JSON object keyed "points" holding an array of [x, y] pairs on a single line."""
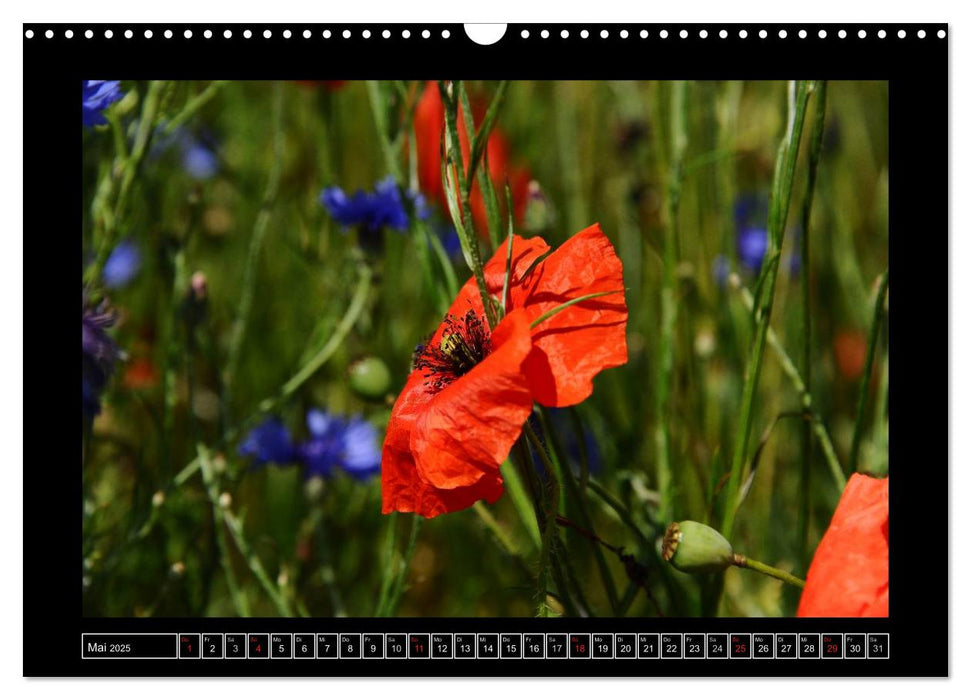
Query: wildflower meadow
{"points": [[461, 349]]}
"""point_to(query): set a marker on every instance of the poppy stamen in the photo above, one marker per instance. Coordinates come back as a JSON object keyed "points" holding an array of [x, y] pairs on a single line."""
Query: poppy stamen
{"points": [[465, 343]]}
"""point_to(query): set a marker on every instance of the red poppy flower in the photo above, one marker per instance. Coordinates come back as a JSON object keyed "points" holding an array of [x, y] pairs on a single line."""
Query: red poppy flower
{"points": [[429, 123], [464, 404], [850, 572]]}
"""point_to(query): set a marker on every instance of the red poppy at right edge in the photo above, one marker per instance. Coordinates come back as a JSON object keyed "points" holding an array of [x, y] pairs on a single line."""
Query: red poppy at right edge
{"points": [[850, 572]]}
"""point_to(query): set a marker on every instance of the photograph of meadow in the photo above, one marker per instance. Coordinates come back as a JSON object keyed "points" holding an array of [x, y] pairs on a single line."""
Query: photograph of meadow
{"points": [[485, 348]]}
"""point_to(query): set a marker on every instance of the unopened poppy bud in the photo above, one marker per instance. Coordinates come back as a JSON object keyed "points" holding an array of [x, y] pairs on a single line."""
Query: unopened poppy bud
{"points": [[158, 499], [225, 500], [369, 378], [695, 548], [199, 285]]}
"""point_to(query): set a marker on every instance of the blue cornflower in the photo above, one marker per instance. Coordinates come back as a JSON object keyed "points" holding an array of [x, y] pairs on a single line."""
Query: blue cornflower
{"points": [[198, 159], [450, 241], [752, 237], [753, 242], [98, 355], [269, 442], [373, 211], [122, 265], [350, 444], [97, 95]]}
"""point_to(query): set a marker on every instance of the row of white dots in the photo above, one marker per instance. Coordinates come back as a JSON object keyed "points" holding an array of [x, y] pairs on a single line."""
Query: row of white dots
{"points": [[246, 34], [723, 34]]}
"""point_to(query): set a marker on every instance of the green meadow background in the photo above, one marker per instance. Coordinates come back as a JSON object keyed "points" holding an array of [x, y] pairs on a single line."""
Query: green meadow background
{"points": [[599, 152]]}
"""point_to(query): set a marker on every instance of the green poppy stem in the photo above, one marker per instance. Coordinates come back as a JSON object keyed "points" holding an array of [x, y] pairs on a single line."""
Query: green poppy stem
{"points": [[743, 562]]}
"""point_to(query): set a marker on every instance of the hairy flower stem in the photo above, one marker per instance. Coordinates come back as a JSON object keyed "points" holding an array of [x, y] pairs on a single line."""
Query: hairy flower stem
{"points": [[576, 497], [457, 190], [678, 128], [118, 181], [871, 348], [814, 424], [743, 562], [778, 213], [806, 441], [260, 228], [212, 490], [550, 565]]}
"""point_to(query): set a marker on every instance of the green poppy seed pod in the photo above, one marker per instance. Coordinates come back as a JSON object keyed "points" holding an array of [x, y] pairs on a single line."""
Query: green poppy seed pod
{"points": [[695, 548], [369, 378]]}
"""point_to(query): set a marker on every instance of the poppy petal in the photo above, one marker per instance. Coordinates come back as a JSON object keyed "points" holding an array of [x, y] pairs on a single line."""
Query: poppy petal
{"points": [[402, 489], [525, 251], [467, 429], [575, 344], [850, 572]]}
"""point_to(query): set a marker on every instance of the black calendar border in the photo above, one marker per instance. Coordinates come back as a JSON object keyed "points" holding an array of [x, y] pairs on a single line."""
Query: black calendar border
{"points": [[918, 73]]}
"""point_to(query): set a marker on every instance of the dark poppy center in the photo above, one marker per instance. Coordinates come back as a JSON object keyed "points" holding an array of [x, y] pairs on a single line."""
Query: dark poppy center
{"points": [[464, 343]]}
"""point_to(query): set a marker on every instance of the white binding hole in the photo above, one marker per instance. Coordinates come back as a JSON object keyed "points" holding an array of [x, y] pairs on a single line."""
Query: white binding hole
{"points": [[326, 34], [742, 34], [386, 34], [68, 34], [207, 34], [723, 34], [623, 34], [524, 34], [783, 33], [684, 33], [861, 33], [921, 34], [228, 34], [604, 33], [29, 34], [763, 34], [584, 33], [842, 34], [425, 34], [802, 34], [287, 34], [483, 34], [168, 33], [703, 33], [366, 34], [941, 34], [148, 33], [247, 33], [882, 34], [405, 34], [822, 33], [446, 34], [544, 34], [564, 34], [129, 33], [87, 34], [267, 33], [346, 34], [664, 34], [187, 34], [643, 34], [901, 34], [307, 33], [50, 33], [109, 33]]}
